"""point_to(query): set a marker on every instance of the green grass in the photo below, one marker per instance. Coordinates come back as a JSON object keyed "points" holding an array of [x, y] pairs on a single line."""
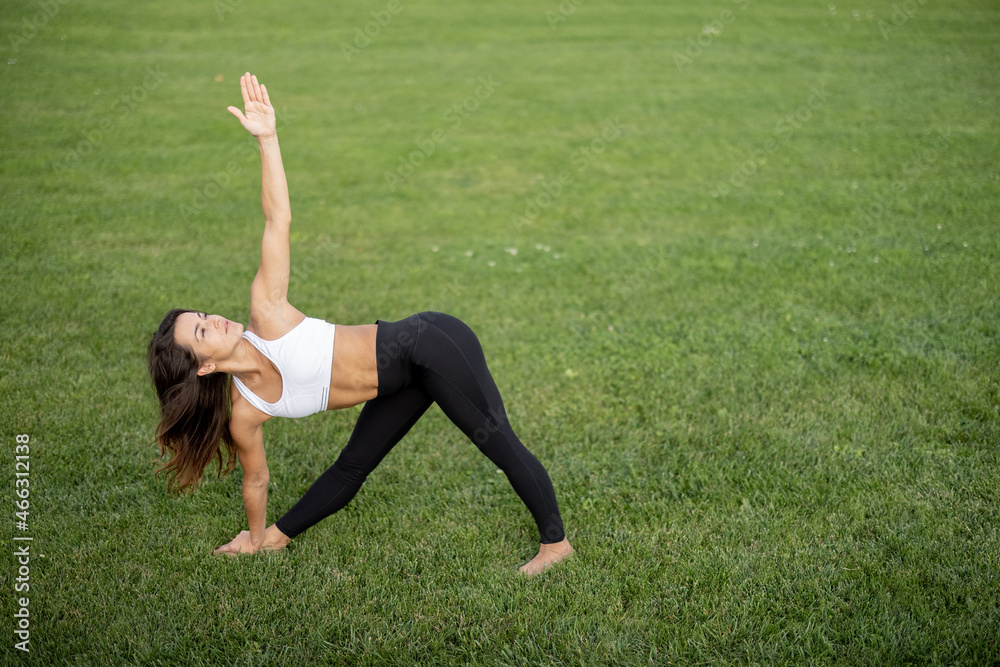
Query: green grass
{"points": [[771, 410]]}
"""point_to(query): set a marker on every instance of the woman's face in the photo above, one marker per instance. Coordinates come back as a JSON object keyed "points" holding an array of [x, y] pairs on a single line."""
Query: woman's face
{"points": [[212, 338]]}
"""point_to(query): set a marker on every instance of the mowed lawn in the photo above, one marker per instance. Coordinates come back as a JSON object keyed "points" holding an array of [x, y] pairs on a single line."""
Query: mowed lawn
{"points": [[734, 266]]}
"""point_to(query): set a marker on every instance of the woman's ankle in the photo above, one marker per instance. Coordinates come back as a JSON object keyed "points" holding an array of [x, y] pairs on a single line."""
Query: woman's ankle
{"points": [[548, 555], [274, 539]]}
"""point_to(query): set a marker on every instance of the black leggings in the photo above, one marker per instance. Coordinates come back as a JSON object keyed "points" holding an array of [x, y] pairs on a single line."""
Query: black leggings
{"points": [[426, 358]]}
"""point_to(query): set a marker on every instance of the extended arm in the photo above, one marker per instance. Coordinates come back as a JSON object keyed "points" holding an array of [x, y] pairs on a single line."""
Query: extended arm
{"points": [[269, 292], [256, 477], [260, 121], [270, 285], [250, 448], [249, 437]]}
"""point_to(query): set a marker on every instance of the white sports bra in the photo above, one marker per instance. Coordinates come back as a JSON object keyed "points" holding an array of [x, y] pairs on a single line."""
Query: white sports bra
{"points": [[304, 358]]}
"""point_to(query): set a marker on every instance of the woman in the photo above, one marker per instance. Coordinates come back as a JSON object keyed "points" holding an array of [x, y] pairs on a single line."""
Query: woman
{"points": [[218, 382]]}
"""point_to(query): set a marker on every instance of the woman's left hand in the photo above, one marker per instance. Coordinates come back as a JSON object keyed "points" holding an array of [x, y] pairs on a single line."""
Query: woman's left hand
{"points": [[259, 119], [241, 544]]}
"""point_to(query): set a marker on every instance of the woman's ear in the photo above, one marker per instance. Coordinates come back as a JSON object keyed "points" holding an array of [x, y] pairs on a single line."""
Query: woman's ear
{"points": [[206, 369]]}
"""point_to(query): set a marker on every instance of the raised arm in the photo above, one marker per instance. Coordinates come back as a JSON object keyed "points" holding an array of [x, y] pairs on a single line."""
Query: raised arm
{"points": [[269, 292]]}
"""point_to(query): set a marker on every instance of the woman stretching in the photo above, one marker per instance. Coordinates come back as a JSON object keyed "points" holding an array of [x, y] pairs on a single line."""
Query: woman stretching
{"points": [[218, 383]]}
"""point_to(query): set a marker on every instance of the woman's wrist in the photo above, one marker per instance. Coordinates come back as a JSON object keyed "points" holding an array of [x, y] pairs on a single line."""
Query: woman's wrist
{"points": [[260, 540]]}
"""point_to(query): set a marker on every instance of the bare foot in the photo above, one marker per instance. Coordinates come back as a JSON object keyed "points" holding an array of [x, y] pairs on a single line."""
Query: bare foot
{"points": [[274, 539], [548, 555]]}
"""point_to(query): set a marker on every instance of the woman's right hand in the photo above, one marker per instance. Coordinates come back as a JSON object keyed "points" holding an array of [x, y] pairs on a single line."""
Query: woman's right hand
{"points": [[258, 117], [241, 544], [274, 540]]}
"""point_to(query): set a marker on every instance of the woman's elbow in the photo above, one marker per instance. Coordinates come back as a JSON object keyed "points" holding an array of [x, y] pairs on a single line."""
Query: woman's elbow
{"points": [[257, 480]]}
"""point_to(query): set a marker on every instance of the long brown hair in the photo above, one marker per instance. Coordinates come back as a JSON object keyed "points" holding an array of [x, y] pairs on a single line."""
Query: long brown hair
{"points": [[194, 410]]}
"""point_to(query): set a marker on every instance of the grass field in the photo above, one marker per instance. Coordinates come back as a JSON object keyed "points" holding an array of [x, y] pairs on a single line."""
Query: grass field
{"points": [[734, 265]]}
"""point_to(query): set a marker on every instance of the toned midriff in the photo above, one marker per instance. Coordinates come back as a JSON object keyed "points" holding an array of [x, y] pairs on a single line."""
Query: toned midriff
{"points": [[354, 377]]}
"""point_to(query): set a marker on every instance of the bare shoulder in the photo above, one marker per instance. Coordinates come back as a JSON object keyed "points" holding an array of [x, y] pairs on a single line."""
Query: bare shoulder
{"points": [[246, 426], [245, 419], [271, 321]]}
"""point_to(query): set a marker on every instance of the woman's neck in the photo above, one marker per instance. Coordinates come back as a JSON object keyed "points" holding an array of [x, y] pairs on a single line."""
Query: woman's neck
{"points": [[246, 362]]}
